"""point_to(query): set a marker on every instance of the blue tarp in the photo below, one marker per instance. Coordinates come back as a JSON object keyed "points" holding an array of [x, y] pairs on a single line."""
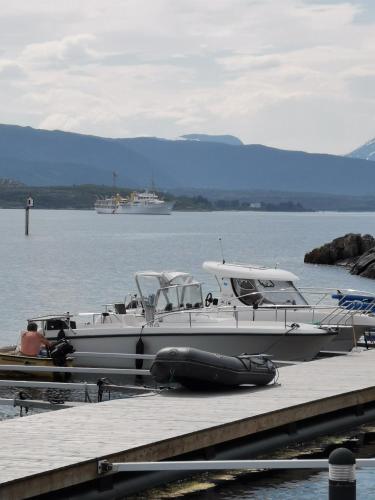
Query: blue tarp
{"points": [[355, 302]]}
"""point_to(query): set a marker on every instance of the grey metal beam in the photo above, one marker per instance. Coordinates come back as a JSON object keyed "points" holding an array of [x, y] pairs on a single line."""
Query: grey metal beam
{"points": [[104, 466], [74, 369]]}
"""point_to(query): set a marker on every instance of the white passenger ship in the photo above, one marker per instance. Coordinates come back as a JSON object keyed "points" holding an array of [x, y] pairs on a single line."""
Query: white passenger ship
{"points": [[137, 203]]}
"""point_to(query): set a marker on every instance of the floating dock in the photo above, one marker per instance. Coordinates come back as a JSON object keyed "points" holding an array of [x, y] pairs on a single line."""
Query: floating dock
{"points": [[45, 453]]}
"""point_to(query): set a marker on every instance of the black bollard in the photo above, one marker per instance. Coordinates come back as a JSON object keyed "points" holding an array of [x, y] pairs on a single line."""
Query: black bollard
{"points": [[342, 483], [29, 204], [27, 218]]}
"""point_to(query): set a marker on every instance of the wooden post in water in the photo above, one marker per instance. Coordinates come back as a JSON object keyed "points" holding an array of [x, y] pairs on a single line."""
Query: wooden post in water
{"points": [[27, 221], [29, 204]]}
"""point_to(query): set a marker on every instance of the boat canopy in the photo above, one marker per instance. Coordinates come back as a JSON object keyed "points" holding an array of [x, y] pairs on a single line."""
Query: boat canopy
{"points": [[247, 271], [166, 278], [49, 317]]}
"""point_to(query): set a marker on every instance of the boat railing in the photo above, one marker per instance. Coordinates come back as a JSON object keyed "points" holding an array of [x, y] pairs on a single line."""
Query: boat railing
{"points": [[322, 294], [262, 306], [286, 312], [355, 302], [321, 315], [220, 312], [349, 303], [99, 318], [326, 314], [349, 312], [325, 293]]}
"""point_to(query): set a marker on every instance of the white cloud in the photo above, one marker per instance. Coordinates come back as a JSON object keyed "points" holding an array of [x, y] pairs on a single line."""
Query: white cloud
{"points": [[134, 67], [69, 50], [10, 70]]}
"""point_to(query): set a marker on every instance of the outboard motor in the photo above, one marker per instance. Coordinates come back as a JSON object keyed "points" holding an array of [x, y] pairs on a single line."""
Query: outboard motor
{"points": [[60, 351]]}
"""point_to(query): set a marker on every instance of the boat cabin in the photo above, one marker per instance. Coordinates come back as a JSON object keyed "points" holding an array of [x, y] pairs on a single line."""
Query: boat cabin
{"points": [[242, 284], [53, 324], [162, 292]]}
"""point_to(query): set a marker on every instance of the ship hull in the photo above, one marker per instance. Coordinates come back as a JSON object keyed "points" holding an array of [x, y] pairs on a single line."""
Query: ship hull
{"points": [[129, 209], [227, 341]]}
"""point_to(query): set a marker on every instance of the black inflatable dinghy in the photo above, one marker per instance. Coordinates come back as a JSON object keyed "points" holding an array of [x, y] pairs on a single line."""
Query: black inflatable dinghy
{"points": [[198, 369]]}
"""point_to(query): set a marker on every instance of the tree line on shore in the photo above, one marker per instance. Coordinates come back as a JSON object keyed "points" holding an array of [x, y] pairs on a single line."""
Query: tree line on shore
{"points": [[83, 197]]}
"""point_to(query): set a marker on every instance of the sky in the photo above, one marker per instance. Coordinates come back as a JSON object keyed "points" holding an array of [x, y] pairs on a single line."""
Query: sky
{"points": [[292, 74]]}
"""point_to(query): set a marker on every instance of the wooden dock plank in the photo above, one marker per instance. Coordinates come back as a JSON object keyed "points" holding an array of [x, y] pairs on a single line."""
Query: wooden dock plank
{"points": [[168, 424]]}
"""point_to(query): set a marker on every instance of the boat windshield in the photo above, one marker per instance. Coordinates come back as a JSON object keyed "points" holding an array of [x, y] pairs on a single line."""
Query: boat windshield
{"points": [[169, 291], [177, 297], [252, 292]]}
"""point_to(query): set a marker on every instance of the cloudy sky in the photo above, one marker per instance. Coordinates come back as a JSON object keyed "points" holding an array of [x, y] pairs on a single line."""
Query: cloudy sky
{"points": [[294, 74]]}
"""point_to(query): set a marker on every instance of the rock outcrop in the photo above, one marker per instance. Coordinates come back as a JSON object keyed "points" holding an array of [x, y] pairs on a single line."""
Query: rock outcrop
{"points": [[365, 265], [352, 250]]}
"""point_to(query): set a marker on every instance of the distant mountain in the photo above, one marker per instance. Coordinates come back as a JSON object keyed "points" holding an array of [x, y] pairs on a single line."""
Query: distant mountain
{"points": [[223, 139], [219, 166], [42, 157], [365, 152], [45, 158]]}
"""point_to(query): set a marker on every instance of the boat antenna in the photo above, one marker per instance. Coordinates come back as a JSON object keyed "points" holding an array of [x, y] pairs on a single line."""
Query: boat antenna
{"points": [[221, 249]]}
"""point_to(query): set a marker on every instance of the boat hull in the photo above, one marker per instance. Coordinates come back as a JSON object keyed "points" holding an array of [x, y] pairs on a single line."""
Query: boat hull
{"points": [[8, 358], [230, 342], [164, 208], [347, 337]]}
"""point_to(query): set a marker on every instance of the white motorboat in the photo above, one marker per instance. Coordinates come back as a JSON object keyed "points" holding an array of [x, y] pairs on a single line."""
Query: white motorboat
{"points": [[172, 314], [146, 203], [270, 294]]}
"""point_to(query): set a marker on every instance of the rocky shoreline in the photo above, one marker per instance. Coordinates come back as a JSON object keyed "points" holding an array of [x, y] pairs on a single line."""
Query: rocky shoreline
{"points": [[354, 251]]}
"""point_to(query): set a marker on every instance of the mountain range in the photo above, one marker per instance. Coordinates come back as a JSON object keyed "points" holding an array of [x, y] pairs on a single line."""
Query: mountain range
{"points": [[40, 158]]}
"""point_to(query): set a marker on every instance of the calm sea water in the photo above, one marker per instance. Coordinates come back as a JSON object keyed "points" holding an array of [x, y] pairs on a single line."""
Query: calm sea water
{"points": [[281, 485], [78, 260]]}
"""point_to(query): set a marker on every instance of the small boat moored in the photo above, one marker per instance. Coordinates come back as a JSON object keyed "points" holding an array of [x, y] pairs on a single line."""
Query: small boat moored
{"points": [[197, 369], [59, 356]]}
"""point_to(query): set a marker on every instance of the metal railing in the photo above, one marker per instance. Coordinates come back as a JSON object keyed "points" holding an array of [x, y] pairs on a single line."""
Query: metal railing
{"points": [[110, 355], [320, 315], [337, 313], [343, 291], [224, 313], [341, 466], [204, 465], [333, 314], [74, 369]]}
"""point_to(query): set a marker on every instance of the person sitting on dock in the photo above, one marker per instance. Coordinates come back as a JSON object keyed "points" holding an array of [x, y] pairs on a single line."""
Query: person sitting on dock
{"points": [[32, 340]]}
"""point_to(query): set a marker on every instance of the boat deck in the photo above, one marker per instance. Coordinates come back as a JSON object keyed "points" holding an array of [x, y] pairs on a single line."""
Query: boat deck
{"points": [[46, 452]]}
